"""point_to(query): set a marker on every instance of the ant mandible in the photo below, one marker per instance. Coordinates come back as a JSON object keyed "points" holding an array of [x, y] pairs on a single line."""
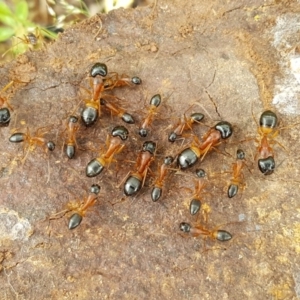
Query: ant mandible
{"points": [[135, 180], [237, 178], [267, 124], [184, 124], [30, 142], [114, 146], [159, 182], [4, 111], [189, 156], [220, 235], [152, 111], [196, 201], [81, 209], [72, 128]]}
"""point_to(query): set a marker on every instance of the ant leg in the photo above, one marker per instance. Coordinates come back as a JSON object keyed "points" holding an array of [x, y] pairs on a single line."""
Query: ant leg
{"points": [[124, 179], [56, 215], [25, 157], [206, 150], [7, 86]]}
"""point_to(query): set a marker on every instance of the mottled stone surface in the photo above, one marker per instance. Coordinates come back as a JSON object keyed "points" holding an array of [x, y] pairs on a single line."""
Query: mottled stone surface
{"points": [[229, 61]]}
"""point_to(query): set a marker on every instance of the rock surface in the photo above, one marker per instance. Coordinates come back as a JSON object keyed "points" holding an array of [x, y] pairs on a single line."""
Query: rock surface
{"points": [[229, 61]]}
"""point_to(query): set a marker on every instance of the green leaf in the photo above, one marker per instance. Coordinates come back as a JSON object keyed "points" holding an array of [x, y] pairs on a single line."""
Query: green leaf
{"points": [[8, 20], [21, 10], [5, 10], [6, 33], [6, 15]]}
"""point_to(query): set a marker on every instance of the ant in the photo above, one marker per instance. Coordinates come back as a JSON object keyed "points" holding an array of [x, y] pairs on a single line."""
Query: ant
{"points": [[92, 108], [124, 80], [195, 204], [154, 103], [126, 117], [4, 111], [30, 40], [114, 146], [267, 123], [189, 156], [183, 124], [220, 235], [135, 180], [72, 128], [81, 208], [30, 142], [91, 111], [237, 177], [157, 189]]}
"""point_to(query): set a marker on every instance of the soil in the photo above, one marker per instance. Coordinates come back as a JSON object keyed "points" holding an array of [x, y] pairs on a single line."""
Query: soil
{"points": [[229, 61]]}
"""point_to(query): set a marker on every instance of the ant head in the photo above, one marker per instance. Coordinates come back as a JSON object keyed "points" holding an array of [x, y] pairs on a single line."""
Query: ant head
{"points": [[143, 132], [99, 69], [196, 117], [172, 137], [240, 154], [136, 80], [267, 165], [149, 146], [4, 116], [225, 128], [32, 38], [168, 160], [95, 189], [268, 119], [185, 227], [121, 132], [155, 100], [73, 119], [50, 145], [200, 173]]}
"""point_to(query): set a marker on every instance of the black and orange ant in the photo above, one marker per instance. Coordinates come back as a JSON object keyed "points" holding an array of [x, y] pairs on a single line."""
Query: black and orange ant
{"points": [[189, 156], [184, 124], [220, 235], [120, 112], [201, 183], [159, 182], [152, 111], [237, 177], [135, 180], [72, 128], [118, 81], [92, 108], [30, 141], [114, 146], [267, 124], [81, 208], [4, 111]]}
